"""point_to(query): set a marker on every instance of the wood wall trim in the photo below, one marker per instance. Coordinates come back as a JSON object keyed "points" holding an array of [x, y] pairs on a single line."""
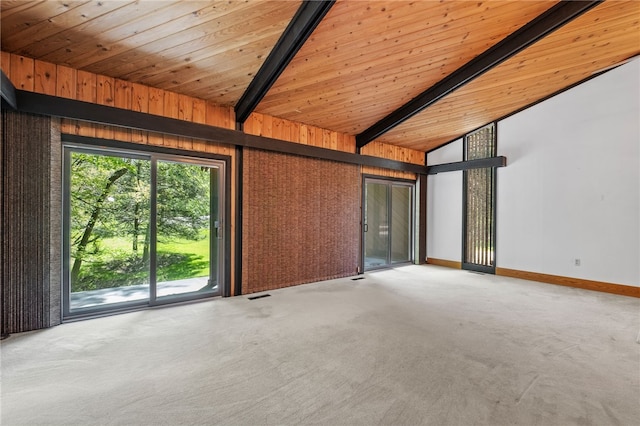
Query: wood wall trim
{"points": [[69, 84], [446, 263], [620, 289], [383, 150], [37, 103], [292, 131]]}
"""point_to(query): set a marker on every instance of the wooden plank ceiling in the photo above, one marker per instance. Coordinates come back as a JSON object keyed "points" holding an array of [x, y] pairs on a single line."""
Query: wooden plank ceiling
{"points": [[203, 49], [362, 62], [603, 36]]}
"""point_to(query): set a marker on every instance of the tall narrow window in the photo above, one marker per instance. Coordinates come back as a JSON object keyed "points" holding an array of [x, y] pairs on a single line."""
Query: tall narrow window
{"points": [[479, 203]]}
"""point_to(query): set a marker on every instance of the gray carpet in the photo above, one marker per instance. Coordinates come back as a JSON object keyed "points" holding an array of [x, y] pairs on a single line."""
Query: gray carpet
{"points": [[409, 346]]}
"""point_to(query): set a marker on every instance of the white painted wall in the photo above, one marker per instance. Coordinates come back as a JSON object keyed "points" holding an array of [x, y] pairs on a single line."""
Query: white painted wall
{"points": [[571, 188], [444, 206]]}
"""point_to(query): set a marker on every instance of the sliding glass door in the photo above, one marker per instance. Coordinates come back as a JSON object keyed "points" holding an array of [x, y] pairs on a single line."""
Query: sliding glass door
{"points": [[388, 223], [140, 229]]}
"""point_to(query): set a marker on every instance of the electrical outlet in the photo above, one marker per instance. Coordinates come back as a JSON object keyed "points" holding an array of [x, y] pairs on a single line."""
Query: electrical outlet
{"points": [[577, 262]]}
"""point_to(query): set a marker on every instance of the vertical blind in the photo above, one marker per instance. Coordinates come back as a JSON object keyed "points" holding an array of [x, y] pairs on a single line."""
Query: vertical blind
{"points": [[298, 220], [25, 218]]}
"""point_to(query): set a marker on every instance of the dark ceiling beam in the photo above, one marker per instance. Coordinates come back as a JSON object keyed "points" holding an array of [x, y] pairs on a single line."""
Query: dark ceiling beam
{"points": [[549, 21], [480, 163], [7, 92], [294, 36], [37, 103]]}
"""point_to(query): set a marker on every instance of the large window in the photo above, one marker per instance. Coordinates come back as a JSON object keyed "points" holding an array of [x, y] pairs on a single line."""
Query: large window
{"points": [[479, 203], [140, 229]]}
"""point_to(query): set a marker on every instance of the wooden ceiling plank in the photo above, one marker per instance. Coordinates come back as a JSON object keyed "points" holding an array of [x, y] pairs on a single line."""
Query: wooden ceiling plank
{"points": [[215, 66], [387, 50], [208, 26], [10, 7], [149, 21], [111, 33], [61, 47], [416, 76], [144, 66], [13, 23], [558, 16], [379, 22], [364, 30], [362, 69], [221, 66], [231, 37], [63, 22], [435, 22], [231, 63]]}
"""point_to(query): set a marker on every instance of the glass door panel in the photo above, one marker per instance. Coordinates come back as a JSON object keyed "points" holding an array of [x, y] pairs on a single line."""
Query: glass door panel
{"points": [[140, 229], [108, 225], [376, 225], [186, 228], [388, 223], [401, 223]]}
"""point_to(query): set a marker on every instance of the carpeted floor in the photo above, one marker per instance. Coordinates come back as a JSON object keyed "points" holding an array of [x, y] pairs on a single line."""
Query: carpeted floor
{"points": [[409, 346]]}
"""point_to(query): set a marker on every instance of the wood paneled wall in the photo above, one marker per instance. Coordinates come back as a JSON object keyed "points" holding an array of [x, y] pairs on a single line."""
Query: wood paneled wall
{"points": [[278, 128], [301, 220], [57, 80], [27, 281], [392, 152]]}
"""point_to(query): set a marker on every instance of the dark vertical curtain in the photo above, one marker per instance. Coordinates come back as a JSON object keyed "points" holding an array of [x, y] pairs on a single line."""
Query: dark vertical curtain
{"points": [[25, 156]]}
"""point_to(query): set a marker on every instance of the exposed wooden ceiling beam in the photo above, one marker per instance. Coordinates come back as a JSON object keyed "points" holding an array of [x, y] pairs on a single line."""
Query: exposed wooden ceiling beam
{"points": [[552, 19], [7, 92], [294, 36]]}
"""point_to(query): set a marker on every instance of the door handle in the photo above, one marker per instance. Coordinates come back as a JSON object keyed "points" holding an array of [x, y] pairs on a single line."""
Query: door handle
{"points": [[366, 228]]}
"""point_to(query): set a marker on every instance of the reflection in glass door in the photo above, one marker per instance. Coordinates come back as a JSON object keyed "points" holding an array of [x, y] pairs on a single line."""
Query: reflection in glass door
{"points": [[376, 225], [140, 229], [388, 223], [401, 223], [107, 227]]}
